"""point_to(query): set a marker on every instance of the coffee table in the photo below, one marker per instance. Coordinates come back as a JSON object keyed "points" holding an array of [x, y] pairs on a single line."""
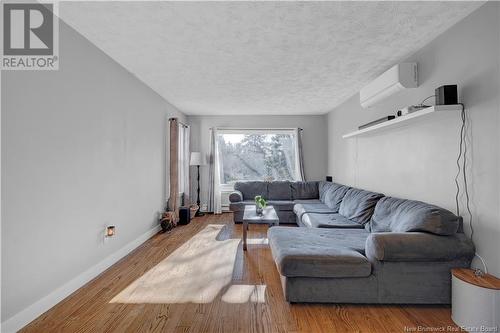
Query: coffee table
{"points": [[250, 216]]}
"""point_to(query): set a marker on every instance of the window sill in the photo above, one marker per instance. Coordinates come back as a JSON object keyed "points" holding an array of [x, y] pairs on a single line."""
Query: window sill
{"points": [[226, 188]]}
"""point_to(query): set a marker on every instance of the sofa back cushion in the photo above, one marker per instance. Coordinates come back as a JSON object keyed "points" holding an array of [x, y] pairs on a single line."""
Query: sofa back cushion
{"points": [[304, 190], [358, 205], [252, 189], [400, 215], [334, 195], [323, 188], [279, 190]]}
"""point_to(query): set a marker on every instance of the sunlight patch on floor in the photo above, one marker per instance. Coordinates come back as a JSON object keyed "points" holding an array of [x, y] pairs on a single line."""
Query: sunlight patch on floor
{"points": [[257, 241], [243, 293], [196, 272]]}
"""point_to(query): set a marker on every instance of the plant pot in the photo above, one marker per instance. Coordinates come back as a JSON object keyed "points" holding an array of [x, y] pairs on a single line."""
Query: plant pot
{"points": [[259, 210], [167, 221], [193, 209], [166, 225]]}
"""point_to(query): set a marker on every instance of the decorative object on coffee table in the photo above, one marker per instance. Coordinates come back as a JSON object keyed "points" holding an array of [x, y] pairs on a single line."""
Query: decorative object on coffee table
{"points": [[197, 159], [250, 216], [260, 204]]}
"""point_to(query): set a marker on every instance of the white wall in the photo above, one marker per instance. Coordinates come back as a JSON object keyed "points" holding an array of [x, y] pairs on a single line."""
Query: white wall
{"points": [[313, 140], [82, 147], [418, 161]]}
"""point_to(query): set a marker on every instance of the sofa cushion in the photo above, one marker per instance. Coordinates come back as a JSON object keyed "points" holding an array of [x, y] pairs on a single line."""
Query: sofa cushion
{"points": [[325, 220], [334, 196], [310, 201], [400, 215], [418, 246], [354, 239], [304, 190], [323, 187], [302, 208], [240, 205], [251, 189], [279, 191], [281, 205], [300, 252], [358, 205]]}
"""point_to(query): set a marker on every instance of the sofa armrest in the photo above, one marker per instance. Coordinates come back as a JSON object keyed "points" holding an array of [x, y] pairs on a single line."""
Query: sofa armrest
{"points": [[417, 246], [235, 196]]}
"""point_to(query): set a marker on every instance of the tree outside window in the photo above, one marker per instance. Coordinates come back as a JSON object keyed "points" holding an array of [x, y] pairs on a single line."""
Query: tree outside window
{"points": [[257, 156]]}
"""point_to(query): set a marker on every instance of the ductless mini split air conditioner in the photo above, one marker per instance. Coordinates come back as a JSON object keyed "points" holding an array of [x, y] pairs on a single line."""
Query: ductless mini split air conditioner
{"points": [[397, 78]]}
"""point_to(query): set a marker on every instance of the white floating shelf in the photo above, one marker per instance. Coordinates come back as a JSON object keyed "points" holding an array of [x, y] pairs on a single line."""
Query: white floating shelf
{"points": [[403, 120]]}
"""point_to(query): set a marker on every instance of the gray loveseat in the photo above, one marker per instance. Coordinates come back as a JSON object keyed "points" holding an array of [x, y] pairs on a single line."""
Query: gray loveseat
{"points": [[356, 246]]}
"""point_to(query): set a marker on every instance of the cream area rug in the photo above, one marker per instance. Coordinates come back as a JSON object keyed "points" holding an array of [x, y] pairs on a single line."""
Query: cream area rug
{"points": [[196, 272]]}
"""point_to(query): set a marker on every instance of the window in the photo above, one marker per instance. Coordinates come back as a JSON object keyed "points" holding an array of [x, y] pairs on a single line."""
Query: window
{"points": [[265, 155]]}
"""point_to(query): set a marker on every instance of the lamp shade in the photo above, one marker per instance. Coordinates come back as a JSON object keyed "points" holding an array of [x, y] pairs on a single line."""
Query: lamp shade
{"points": [[197, 158]]}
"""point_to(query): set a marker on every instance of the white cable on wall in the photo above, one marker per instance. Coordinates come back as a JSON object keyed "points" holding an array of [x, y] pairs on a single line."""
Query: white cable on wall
{"points": [[483, 262]]}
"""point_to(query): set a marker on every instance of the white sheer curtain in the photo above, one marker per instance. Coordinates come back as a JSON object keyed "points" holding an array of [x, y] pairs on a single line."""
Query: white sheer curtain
{"points": [[173, 170], [214, 195], [301, 175], [184, 186]]}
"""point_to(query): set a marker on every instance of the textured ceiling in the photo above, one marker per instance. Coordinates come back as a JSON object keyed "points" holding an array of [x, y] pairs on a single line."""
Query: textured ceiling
{"points": [[211, 58]]}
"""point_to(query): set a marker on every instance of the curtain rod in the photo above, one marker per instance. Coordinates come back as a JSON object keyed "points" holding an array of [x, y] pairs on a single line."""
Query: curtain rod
{"points": [[178, 121], [256, 129]]}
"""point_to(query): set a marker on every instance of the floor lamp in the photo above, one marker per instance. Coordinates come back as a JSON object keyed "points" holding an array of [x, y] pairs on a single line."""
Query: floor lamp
{"points": [[197, 159]]}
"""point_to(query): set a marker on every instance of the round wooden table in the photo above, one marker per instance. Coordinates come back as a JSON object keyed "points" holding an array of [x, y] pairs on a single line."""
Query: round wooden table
{"points": [[475, 301]]}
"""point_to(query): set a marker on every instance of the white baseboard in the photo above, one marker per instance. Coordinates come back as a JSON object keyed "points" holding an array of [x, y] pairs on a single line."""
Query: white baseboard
{"points": [[27, 315]]}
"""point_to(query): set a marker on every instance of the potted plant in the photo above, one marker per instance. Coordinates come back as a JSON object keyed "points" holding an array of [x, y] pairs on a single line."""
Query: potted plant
{"points": [[260, 204], [167, 221]]}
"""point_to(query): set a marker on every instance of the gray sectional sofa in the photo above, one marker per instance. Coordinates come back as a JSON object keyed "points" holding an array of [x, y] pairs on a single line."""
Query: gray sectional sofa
{"points": [[357, 246]]}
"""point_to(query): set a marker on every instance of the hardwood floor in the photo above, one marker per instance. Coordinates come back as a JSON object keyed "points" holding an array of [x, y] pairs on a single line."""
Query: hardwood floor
{"points": [[253, 303]]}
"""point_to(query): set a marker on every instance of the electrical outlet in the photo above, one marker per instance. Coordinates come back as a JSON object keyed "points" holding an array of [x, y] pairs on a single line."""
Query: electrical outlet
{"points": [[109, 232]]}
